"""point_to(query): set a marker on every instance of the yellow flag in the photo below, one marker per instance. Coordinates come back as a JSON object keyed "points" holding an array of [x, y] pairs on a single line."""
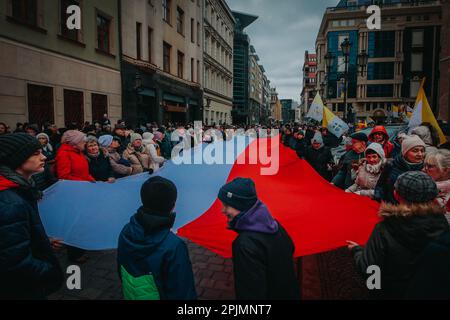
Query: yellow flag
{"points": [[423, 113]]}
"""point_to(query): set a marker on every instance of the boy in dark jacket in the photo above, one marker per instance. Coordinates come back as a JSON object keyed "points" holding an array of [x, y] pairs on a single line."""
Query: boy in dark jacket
{"points": [[409, 245], [28, 266], [153, 262], [263, 251]]}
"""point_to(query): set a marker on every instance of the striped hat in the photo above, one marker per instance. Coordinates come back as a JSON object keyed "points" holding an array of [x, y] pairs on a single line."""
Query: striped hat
{"points": [[16, 148]]}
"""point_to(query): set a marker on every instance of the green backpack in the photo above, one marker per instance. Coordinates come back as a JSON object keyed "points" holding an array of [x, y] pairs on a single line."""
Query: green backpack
{"points": [[140, 288]]}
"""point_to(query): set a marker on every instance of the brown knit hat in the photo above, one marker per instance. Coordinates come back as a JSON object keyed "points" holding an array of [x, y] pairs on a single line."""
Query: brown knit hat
{"points": [[16, 148]]}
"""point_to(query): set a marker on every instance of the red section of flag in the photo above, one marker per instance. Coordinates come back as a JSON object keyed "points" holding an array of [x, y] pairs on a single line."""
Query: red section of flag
{"points": [[318, 216]]}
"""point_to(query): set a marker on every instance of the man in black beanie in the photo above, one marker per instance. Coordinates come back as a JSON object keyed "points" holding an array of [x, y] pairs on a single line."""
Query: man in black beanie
{"points": [[263, 251], [153, 262], [28, 266]]}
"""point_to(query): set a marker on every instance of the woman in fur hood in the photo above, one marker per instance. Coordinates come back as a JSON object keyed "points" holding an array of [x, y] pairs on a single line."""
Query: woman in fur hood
{"points": [[369, 171], [411, 245]]}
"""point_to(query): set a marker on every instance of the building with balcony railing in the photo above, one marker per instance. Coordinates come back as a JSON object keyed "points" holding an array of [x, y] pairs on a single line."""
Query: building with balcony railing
{"points": [[309, 82]]}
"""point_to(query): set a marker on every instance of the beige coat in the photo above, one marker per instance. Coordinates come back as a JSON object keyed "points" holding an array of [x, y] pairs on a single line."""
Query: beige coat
{"points": [[140, 160]]}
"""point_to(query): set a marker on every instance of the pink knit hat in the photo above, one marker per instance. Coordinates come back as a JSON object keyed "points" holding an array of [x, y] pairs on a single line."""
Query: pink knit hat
{"points": [[73, 137]]}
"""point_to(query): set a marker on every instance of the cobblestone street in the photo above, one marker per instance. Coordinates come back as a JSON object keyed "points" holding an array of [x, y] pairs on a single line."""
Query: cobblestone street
{"points": [[327, 276], [100, 280]]}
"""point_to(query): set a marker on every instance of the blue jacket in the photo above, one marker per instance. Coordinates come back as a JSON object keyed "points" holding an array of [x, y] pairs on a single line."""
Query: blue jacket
{"points": [[147, 246], [28, 266]]}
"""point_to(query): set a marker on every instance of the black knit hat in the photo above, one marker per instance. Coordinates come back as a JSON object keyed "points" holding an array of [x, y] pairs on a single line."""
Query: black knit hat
{"points": [[159, 195], [239, 194], [16, 148], [416, 187], [360, 136]]}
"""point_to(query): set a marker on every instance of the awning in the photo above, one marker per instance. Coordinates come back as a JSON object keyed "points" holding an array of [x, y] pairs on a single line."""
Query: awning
{"points": [[147, 92], [173, 98], [193, 102]]}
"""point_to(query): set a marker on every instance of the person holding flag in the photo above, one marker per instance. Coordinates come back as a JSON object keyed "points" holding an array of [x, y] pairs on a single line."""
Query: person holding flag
{"points": [[423, 114]]}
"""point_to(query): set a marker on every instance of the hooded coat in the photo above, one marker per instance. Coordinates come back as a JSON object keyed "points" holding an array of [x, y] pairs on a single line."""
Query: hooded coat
{"points": [[367, 175], [424, 133], [384, 191], [263, 257], [147, 248], [397, 245], [28, 267], [388, 147]]}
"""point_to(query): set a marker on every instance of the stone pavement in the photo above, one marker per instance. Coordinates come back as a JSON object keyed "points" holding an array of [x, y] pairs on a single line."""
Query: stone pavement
{"points": [[327, 276], [100, 280]]}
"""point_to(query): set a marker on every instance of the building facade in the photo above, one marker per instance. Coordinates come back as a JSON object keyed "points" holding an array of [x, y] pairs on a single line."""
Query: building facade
{"points": [[218, 62], [49, 73], [162, 61], [287, 110], [255, 102], [241, 69], [309, 82], [444, 84], [275, 105], [401, 54]]}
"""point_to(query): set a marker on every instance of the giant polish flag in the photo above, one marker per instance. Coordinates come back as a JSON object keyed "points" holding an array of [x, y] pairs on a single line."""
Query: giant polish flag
{"points": [[423, 113], [318, 216]]}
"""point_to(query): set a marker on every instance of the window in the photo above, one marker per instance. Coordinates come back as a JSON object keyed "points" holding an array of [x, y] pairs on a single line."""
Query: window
{"points": [[198, 71], [73, 107], [414, 88], [341, 64], [103, 33], [65, 32], [180, 64], [166, 10], [380, 90], [192, 31], [341, 39], [40, 104], [166, 57], [99, 106], [198, 33], [180, 21], [417, 38], [149, 44], [381, 71], [192, 69], [25, 11], [138, 40], [417, 61]]}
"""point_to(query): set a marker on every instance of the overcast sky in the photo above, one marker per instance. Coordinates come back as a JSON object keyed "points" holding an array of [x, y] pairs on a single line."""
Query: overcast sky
{"points": [[282, 33]]}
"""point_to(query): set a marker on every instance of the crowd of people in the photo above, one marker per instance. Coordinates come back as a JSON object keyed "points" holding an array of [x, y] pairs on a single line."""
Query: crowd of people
{"points": [[410, 177], [408, 174]]}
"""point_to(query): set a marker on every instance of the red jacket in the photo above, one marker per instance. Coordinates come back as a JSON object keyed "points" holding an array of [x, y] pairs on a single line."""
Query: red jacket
{"points": [[71, 164], [388, 147]]}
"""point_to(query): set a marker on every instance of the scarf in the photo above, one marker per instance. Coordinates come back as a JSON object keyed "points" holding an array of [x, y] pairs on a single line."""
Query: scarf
{"points": [[24, 184]]}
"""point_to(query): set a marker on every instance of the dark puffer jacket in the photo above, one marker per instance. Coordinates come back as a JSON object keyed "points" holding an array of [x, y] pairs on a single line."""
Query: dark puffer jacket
{"points": [[148, 247], [397, 245], [100, 167], [28, 266], [319, 160], [384, 191], [263, 257]]}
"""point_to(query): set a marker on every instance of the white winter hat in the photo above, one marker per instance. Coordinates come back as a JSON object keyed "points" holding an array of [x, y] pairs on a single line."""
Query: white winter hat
{"points": [[378, 148], [411, 142]]}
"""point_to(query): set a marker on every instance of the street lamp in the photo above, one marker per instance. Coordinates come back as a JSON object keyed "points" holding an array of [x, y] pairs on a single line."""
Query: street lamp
{"points": [[363, 59], [345, 48]]}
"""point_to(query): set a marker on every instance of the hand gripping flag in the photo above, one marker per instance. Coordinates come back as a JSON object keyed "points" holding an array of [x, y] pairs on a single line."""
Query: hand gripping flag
{"points": [[318, 216]]}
